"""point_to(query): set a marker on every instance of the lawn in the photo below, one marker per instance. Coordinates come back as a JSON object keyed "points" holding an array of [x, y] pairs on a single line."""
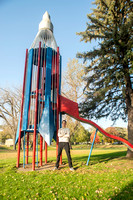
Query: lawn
{"points": [[109, 176]]}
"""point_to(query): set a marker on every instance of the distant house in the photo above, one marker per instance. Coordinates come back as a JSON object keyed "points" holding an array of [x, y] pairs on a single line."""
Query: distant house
{"points": [[9, 142]]}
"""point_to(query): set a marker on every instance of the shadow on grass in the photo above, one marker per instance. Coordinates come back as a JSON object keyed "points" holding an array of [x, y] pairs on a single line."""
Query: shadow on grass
{"points": [[125, 194], [79, 161], [101, 157]]}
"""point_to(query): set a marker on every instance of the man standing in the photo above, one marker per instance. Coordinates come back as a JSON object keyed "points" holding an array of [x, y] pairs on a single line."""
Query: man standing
{"points": [[64, 137]]}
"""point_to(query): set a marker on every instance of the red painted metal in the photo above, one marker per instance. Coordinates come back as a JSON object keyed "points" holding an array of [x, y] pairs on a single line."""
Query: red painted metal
{"points": [[22, 103], [41, 142], [71, 108], [46, 153], [36, 109], [57, 111], [27, 148]]}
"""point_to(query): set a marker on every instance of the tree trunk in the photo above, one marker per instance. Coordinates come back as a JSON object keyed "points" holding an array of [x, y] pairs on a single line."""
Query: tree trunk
{"points": [[130, 130], [14, 138]]}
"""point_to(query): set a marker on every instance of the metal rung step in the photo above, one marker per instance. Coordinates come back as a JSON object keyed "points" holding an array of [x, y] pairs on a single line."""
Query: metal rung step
{"points": [[28, 156], [28, 142], [31, 163], [28, 164], [41, 100]]}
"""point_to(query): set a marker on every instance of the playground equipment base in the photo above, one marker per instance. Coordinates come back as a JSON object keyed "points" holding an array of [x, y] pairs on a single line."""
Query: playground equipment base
{"points": [[48, 166]]}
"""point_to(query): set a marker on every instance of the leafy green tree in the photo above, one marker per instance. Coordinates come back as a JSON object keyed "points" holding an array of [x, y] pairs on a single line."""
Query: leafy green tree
{"points": [[101, 137], [77, 132], [109, 90], [122, 132], [81, 134]]}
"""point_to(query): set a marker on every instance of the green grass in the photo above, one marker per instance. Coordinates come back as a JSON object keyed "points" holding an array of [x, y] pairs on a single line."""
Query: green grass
{"points": [[108, 176]]}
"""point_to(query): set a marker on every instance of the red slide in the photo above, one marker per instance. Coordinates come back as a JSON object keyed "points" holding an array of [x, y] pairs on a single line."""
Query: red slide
{"points": [[71, 108]]}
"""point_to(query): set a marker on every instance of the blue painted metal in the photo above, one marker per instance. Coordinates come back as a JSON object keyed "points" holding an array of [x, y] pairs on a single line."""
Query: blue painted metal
{"points": [[27, 97], [92, 147], [48, 73], [24, 151], [27, 90], [17, 134], [46, 126]]}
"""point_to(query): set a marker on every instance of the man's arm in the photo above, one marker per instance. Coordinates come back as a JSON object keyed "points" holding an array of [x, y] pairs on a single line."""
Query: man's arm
{"points": [[67, 134], [60, 133]]}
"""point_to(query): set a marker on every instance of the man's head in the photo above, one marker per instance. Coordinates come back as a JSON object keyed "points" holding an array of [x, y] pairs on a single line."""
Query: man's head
{"points": [[64, 124]]}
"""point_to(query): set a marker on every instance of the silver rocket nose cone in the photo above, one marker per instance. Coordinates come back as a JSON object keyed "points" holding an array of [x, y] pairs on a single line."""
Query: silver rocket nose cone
{"points": [[46, 22], [45, 34]]}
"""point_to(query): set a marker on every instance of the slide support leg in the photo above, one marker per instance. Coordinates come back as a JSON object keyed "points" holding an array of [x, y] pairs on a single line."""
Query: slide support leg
{"points": [[92, 147]]}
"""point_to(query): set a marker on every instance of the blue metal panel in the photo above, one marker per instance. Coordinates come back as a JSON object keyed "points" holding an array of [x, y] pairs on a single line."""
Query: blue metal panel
{"points": [[48, 73], [17, 134], [27, 90], [26, 97], [46, 127]]}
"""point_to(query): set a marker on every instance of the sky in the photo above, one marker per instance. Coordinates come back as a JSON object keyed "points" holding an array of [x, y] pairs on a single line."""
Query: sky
{"points": [[19, 21]]}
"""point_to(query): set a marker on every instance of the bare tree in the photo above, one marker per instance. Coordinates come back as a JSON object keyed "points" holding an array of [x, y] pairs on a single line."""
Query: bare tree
{"points": [[73, 84], [72, 87], [10, 109]]}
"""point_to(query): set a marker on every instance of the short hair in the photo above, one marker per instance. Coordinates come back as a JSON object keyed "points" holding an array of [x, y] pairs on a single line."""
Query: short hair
{"points": [[64, 121]]}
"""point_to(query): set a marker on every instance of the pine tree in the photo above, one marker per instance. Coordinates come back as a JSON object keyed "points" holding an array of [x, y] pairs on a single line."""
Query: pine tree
{"points": [[109, 88]]}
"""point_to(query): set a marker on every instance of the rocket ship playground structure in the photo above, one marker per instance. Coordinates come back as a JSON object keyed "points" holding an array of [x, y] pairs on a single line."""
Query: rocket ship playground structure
{"points": [[42, 105]]}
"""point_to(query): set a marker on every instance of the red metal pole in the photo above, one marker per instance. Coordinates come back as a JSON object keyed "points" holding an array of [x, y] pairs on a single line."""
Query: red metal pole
{"points": [[46, 153], [41, 141], [57, 111], [27, 148], [22, 103], [46, 150], [36, 109]]}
